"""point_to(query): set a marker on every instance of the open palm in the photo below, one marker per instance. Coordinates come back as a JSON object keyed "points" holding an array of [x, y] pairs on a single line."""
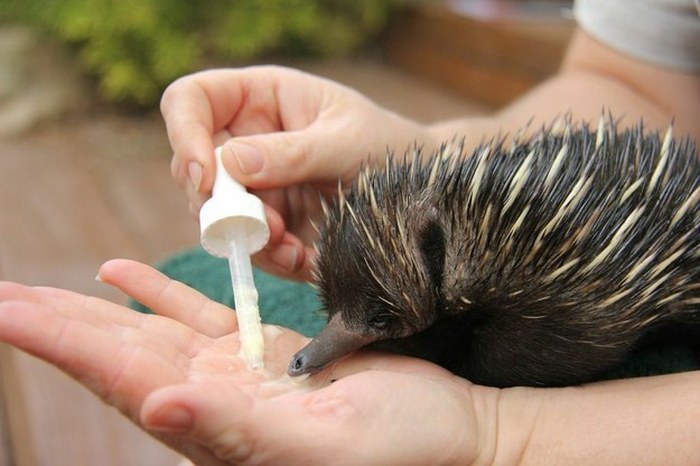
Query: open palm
{"points": [[179, 375]]}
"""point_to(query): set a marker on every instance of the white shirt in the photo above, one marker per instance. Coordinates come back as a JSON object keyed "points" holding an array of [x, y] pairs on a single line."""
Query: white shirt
{"points": [[662, 32]]}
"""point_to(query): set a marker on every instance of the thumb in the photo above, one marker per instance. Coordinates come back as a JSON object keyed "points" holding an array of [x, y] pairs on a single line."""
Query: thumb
{"points": [[275, 160], [229, 423], [218, 420]]}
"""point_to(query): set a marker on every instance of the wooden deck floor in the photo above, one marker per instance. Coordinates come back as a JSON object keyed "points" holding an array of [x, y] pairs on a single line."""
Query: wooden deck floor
{"points": [[93, 187]]}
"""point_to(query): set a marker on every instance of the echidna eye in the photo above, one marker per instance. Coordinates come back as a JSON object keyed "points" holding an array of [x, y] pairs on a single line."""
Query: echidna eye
{"points": [[379, 322]]}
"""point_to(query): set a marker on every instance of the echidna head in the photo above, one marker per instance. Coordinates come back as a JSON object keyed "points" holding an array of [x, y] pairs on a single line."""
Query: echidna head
{"points": [[379, 271]]}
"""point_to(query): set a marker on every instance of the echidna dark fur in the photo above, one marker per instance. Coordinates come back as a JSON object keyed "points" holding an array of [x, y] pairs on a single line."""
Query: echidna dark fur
{"points": [[539, 262]]}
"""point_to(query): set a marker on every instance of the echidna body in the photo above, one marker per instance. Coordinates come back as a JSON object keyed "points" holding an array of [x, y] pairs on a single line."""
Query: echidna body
{"points": [[541, 262]]}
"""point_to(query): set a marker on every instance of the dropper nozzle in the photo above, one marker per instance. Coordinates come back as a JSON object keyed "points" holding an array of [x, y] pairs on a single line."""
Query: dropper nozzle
{"points": [[233, 226], [246, 300]]}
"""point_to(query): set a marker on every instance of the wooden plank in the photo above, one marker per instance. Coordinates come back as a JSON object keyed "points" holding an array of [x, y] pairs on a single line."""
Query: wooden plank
{"points": [[6, 454], [60, 221], [83, 205], [18, 441]]}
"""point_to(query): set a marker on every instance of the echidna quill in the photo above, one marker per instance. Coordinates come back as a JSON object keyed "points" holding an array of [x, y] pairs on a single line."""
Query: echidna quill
{"points": [[541, 262]]}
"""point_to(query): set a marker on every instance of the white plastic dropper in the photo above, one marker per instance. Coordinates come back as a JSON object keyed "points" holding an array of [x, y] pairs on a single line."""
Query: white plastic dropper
{"points": [[233, 226]]}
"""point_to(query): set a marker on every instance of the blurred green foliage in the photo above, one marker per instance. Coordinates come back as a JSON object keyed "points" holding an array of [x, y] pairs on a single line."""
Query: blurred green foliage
{"points": [[136, 47]]}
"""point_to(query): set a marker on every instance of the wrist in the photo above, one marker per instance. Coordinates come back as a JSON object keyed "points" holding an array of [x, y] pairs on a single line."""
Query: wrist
{"points": [[511, 423], [646, 420], [408, 134], [503, 422]]}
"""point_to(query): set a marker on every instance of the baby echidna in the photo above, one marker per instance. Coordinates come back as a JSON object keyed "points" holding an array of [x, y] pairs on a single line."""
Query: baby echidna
{"points": [[541, 262]]}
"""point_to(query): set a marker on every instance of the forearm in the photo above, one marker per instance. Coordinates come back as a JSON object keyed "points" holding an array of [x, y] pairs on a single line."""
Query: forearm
{"points": [[651, 420], [594, 78]]}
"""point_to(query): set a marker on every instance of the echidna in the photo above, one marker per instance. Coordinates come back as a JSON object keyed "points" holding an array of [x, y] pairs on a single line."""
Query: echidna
{"points": [[539, 262]]}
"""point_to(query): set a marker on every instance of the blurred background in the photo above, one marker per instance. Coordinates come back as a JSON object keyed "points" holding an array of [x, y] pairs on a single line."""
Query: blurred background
{"points": [[84, 158]]}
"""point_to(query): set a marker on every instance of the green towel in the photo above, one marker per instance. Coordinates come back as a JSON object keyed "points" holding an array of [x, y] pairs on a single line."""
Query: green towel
{"points": [[289, 304], [296, 306]]}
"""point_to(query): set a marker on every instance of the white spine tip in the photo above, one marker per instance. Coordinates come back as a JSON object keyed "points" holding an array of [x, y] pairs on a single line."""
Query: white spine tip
{"points": [[601, 131], [667, 139]]}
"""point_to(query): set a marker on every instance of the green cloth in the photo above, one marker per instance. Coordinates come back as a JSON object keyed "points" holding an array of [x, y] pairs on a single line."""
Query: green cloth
{"points": [[289, 304], [296, 306]]}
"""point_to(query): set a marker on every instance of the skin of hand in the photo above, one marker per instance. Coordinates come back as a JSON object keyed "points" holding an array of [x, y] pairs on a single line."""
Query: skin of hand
{"points": [[294, 137], [177, 374]]}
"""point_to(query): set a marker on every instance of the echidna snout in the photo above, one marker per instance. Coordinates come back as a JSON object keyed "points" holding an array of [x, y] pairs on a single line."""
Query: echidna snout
{"points": [[334, 341], [369, 303]]}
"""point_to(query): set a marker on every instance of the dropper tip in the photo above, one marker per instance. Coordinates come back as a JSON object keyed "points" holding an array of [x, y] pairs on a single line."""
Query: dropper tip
{"points": [[253, 352]]}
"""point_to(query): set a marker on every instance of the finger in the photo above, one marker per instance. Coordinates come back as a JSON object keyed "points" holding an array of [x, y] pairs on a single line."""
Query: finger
{"points": [[286, 158], [191, 140], [192, 119], [242, 429], [276, 225], [168, 297], [166, 337], [193, 210], [198, 106], [99, 311], [10, 291], [196, 193], [196, 198], [285, 254], [120, 373], [289, 259], [221, 137]]}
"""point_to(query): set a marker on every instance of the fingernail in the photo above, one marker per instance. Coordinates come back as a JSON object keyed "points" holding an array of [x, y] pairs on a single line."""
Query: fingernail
{"points": [[249, 159], [171, 419], [195, 171], [285, 256]]}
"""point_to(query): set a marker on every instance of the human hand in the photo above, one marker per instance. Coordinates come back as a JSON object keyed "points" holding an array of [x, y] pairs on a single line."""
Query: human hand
{"points": [[177, 374], [294, 137]]}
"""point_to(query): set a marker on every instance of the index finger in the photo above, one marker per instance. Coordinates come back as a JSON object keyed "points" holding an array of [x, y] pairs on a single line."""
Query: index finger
{"points": [[201, 105], [194, 108], [169, 298], [96, 356]]}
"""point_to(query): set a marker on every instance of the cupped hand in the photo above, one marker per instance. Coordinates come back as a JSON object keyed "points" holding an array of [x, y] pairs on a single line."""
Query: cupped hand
{"points": [[178, 375], [289, 136]]}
